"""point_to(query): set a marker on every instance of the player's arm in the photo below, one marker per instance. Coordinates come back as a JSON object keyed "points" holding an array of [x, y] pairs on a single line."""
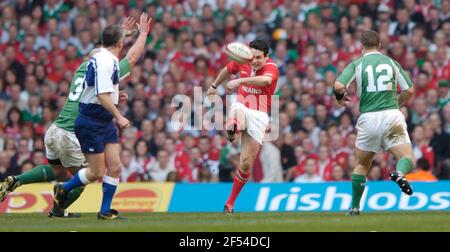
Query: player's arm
{"points": [[138, 47], [255, 81], [104, 88], [269, 73], [108, 104], [405, 84], [223, 75], [405, 96], [341, 83]]}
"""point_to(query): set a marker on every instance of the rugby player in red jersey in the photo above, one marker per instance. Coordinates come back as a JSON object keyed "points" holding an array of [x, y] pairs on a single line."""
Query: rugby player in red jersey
{"points": [[249, 114]]}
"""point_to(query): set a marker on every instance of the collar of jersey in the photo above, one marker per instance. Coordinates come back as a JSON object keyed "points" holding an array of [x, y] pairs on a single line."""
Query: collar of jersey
{"points": [[112, 55], [371, 53]]}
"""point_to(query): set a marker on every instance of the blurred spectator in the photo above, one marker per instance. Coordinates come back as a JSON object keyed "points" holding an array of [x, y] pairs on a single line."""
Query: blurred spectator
{"points": [[270, 158], [403, 25], [439, 141], [229, 161], [325, 162], [13, 123], [160, 169], [375, 173], [446, 113], [26, 165], [7, 168], [443, 93], [23, 152], [421, 172], [337, 174], [39, 157], [310, 174], [131, 170]]}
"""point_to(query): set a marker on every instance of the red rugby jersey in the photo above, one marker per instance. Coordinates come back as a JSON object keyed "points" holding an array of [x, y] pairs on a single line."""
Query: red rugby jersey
{"points": [[262, 94]]}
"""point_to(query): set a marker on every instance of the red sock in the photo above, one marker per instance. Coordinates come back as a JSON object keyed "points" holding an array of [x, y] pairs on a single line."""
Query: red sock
{"points": [[239, 181]]}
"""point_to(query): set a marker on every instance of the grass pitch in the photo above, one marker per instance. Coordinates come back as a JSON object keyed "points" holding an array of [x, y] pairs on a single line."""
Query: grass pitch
{"points": [[239, 222]]}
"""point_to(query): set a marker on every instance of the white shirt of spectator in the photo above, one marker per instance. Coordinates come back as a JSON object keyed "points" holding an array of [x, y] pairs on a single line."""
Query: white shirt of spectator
{"points": [[305, 178], [159, 174]]}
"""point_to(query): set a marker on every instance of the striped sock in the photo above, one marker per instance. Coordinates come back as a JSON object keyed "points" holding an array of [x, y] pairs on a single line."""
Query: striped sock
{"points": [[78, 180]]}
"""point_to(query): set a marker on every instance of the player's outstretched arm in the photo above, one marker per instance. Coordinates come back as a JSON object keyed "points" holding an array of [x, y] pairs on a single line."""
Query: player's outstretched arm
{"points": [[405, 96], [138, 47], [256, 81], [223, 75]]}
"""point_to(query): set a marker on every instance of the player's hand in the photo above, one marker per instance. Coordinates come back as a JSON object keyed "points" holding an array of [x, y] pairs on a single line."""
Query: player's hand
{"points": [[123, 122], [144, 23], [345, 101], [127, 25], [123, 96], [268, 128], [233, 84], [211, 92]]}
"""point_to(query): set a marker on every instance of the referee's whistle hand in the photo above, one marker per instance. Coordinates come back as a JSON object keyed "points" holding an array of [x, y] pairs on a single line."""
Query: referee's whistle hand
{"points": [[123, 122]]}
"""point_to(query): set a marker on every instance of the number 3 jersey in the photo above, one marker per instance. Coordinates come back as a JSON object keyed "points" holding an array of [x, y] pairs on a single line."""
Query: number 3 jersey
{"points": [[376, 77], [70, 111]]}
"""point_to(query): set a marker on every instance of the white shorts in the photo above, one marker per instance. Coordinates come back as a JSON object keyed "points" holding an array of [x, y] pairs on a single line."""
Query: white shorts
{"points": [[63, 145], [381, 129], [256, 121]]}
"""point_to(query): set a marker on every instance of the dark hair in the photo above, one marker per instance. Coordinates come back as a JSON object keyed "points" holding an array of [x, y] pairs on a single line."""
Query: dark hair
{"points": [[422, 163], [423, 72], [346, 113], [25, 162], [8, 117], [111, 35], [370, 39], [261, 45]]}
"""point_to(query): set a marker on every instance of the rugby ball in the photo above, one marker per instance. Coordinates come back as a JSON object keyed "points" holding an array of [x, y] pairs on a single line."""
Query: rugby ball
{"points": [[239, 52]]}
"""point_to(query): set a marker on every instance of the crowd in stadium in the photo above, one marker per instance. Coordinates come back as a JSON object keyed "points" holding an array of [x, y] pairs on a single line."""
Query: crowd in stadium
{"points": [[42, 42]]}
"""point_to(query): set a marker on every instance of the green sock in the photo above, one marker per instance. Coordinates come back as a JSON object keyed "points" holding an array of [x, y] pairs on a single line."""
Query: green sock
{"points": [[41, 173], [404, 165], [73, 195], [358, 185]]}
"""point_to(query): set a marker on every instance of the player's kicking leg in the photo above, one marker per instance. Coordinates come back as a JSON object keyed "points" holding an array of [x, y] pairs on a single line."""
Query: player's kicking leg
{"points": [[249, 150], [404, 154], [363, 163]]}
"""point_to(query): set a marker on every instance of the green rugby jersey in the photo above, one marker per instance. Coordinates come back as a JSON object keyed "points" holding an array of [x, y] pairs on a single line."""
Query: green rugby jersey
{"points": [[68, 114], [376, 77]]}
